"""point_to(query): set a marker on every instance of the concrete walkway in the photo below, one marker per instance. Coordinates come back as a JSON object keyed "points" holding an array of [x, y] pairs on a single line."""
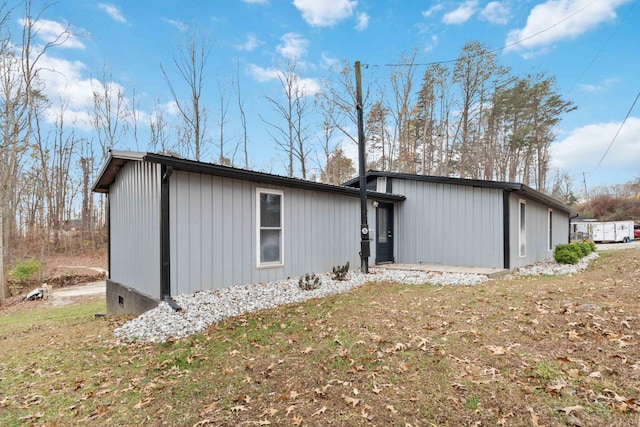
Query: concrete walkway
{"points": [[439, 268]]}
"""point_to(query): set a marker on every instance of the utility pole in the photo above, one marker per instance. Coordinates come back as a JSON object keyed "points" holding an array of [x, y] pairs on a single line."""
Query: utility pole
{"points": [[364, 227]]}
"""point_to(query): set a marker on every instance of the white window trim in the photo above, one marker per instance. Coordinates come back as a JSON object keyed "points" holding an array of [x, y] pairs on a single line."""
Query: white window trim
{"points": [[522, 239], [550, 216], [260, 191]]}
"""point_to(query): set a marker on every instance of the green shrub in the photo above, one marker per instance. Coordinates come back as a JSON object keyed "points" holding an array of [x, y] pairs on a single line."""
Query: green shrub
{"points": [[24, 270], [585, 247], [566, 256], [340, 272], [309, 282]]}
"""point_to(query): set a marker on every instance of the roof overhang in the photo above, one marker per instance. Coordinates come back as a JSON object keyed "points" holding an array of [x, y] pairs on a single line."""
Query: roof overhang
{"points": [[515, 187], [117, 160]]}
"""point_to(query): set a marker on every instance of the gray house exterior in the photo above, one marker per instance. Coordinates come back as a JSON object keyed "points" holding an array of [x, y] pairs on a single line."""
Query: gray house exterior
{"points": [[180, 226]]}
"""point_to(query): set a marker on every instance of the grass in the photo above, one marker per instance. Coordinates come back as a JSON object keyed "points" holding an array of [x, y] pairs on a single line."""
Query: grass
{"points": [[532, 351]]}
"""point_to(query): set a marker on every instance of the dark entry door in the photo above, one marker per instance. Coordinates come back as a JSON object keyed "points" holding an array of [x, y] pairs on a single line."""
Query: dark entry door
{"points": [[384, 233]]}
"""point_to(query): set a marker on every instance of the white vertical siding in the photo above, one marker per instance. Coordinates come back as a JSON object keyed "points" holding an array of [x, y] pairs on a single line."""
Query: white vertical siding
{"points": [[448, 224], [134, 215], [537, 231], [213, 232]]}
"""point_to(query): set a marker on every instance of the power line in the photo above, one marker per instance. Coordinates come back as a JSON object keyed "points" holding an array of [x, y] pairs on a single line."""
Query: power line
{"points": [[617, 133], [601, 49], [500, 48]]}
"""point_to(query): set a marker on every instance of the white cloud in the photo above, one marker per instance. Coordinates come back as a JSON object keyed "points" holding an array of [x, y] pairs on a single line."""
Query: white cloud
{"points": [[433, 9], [308, 86], [496, 12], [113, 12], [181, 26], [431, 44], [50, 31], [322, 13], [65, 82], [462, 14], [263, 74], [305, 86], [250, 44], [559, 20], [583, 148], [293, 46], [363, 21], [329, 62], [603, 86]]}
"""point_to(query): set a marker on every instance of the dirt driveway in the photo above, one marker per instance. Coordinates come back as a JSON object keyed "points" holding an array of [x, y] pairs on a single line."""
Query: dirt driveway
{"points": [[65, 296]]}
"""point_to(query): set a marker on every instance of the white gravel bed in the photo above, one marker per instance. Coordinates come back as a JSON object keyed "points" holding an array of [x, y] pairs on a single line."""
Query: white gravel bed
{"points": [[201, 309], [551, 267]]}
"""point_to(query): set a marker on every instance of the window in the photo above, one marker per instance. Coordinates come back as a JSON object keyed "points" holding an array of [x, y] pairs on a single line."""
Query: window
{"points": [[523, 229], [269, 224], [550, 229]]}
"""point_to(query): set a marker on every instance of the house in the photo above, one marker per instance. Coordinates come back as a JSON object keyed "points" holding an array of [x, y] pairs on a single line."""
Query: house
{"points": [[181, 226], [464, 222]]}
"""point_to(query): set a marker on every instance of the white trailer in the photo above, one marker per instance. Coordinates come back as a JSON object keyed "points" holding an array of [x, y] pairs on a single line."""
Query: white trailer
{"points": [[612, 231]]}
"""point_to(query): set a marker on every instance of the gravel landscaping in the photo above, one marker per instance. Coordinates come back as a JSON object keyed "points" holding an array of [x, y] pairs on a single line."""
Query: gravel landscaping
{"points": [[201, 309]]}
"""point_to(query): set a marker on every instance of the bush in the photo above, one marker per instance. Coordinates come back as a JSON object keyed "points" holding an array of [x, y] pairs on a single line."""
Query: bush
{"points": [[309, 282], [340, 272], [24, 270], [585, 247], [566, 256]]}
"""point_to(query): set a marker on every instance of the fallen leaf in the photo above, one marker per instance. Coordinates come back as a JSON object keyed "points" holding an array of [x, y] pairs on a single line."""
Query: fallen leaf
{"points": [[270, 412], [238, 408], [392, 409], [204, 423], [350, 400], [569, 409], [319, 411], [307, 350], [496, 350], [534, 418], [142, 403]]}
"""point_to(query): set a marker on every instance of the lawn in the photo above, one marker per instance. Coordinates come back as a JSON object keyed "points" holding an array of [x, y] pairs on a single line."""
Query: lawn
{"points": [[525, 351]]}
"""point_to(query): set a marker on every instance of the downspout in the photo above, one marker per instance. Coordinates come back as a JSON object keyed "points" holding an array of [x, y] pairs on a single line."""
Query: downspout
{"points": [[165, 247], [108, 219], [570, 218], [506, 231]]}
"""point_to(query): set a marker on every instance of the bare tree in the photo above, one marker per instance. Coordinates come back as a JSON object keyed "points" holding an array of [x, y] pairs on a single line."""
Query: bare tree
{"points": [[243, 118], [292, 136], [224, 108], [109, 114], [159, 140], [20, 97], [401, 109], [190, 62]]}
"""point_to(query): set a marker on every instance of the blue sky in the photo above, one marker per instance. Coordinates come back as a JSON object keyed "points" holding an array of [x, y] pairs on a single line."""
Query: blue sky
{"points": [[590, 46]]}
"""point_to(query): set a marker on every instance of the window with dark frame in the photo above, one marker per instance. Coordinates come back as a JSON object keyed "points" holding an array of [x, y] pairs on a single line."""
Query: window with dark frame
{"points": [[269, 227]]}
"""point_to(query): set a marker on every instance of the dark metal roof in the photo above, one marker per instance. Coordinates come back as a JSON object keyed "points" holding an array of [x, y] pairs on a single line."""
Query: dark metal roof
{"points": [[117, 160], [528, 192]]}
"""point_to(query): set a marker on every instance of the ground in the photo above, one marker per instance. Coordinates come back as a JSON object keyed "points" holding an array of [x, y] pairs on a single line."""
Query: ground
{"points": [[516, 351], [71, 275]]}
